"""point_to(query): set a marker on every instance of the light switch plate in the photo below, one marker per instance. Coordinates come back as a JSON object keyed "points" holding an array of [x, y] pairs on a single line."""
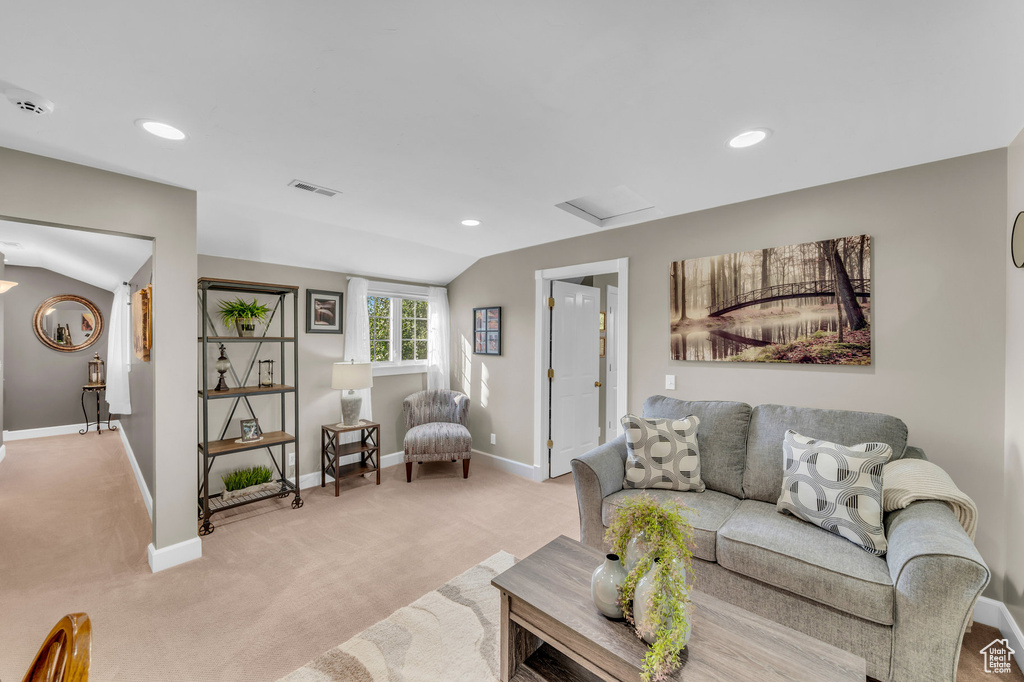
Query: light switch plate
{"points": [[291, 459], [494, 439], [670, 382]]}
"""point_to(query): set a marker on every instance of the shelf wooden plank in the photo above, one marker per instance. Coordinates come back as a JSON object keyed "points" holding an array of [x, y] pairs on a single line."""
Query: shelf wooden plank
{"points": [[349, 470], [247, 339], [246, 391], [270, 438], [346, 449], [216, 284]]}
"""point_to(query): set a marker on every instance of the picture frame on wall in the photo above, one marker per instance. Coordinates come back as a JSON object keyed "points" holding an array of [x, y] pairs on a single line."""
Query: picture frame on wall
{"points": [[487, 330], [324, 311]]}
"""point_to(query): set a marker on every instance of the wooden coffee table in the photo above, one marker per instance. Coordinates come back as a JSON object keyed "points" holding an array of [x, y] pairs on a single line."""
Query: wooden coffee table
{"points": [[551, 630]]}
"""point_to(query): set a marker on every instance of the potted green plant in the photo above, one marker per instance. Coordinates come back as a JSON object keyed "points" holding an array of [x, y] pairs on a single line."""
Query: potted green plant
{"points": [[255, 479], [243, 315], [658, 581]]}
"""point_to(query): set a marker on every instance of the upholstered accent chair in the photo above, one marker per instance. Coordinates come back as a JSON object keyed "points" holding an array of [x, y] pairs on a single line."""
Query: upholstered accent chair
{"points": [[436, 422]]}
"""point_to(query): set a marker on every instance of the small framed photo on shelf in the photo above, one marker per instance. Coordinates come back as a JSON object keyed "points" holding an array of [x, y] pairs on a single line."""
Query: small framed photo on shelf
{"points": [[323, 312], [487, 330], [251, 431]]}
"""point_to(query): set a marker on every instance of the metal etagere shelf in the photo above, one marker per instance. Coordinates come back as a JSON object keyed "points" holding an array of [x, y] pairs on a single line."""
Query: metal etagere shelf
{"points": [[210, 450]]}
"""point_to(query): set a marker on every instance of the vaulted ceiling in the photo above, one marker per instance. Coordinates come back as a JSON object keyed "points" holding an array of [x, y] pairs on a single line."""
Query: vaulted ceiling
{"points": [[426, 113]]}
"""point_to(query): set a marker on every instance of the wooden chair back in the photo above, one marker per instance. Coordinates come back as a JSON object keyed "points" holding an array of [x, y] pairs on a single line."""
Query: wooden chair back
{"points": [[64, 656]]}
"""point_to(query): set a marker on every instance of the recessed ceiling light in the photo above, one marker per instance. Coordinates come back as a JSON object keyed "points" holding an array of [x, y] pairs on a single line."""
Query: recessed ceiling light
{"points": [[749, 138], [164, 130], [470, 222]]}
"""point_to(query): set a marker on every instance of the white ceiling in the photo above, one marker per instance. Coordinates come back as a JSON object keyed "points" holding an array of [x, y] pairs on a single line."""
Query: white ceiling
{"points": [[423, 114], [102, 260]]}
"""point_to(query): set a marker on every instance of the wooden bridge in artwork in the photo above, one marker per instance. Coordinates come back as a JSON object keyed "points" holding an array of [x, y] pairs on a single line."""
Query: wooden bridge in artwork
{"points": [[782, 292]]}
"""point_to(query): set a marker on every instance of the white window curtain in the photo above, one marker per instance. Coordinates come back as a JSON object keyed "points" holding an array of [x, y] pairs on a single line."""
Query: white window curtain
{"points": [[119, 352], [357, 335], [438, 339]]}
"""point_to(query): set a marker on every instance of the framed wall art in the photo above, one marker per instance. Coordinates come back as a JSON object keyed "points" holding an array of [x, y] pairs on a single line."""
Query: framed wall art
{"points": [[487, 331], [323, 311], [802, 303]]}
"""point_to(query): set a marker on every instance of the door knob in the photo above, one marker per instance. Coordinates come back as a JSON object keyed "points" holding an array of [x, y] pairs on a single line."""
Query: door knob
{"points": [[598, 384]]}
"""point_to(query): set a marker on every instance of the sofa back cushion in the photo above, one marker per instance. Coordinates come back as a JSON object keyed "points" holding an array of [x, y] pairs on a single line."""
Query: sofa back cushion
{"points": [[721, 437], [762, 477]]}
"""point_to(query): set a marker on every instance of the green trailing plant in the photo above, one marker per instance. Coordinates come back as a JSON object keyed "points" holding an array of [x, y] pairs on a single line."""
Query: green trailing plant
{"points": [[243, 478], [669, 539], [238, 309]]}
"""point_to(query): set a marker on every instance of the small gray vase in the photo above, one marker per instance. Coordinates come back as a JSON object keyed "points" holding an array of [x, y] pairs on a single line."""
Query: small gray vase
{"points": [[604, 586]]}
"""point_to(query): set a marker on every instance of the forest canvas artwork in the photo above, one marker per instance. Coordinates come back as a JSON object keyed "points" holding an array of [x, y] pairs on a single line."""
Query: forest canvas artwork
{"points": [[804, 303]]}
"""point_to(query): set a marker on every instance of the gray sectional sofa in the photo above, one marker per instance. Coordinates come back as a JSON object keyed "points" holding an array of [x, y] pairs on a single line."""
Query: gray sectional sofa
{"points": [[904, 612]]}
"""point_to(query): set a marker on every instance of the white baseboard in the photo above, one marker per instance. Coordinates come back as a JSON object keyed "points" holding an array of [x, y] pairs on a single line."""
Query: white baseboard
{"points": [[526, 471], [44, 432], [169, 557], [991, 612], [143, 488], [3, 452]]}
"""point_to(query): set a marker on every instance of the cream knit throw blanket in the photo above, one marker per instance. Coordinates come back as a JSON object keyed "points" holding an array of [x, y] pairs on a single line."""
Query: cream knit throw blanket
{"points": [[908, 480]]}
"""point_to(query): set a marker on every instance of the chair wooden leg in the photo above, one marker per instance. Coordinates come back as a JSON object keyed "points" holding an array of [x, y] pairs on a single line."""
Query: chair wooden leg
{"points": [[465, 468], [408, 472]]}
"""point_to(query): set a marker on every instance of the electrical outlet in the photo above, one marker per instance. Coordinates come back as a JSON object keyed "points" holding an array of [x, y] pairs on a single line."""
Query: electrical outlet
{"points": [[670, 382], [291, 459], [494, 439]]}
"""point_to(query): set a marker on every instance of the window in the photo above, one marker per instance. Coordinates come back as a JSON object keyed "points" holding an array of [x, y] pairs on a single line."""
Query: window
{"points": [[398, 333]]}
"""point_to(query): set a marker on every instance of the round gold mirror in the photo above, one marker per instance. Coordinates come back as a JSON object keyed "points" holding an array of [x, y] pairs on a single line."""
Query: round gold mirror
{"points": [[1017, 241], [67, 323]]}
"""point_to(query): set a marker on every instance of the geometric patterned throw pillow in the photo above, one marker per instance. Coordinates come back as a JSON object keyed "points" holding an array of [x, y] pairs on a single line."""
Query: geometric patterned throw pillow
{"points": [[662, 453], [836, 487]]}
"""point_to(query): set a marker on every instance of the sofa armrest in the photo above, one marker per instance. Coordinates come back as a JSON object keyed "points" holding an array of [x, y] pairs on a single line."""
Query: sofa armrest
{"points": [[938, 575], [597, 474]]}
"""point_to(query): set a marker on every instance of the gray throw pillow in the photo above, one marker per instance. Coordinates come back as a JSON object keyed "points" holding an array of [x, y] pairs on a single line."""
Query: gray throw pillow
{"points": [[835, 487], [662, 453]]}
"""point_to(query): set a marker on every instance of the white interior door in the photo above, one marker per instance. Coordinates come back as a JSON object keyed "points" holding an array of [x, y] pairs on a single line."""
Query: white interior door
{"points": [[574, 358], [611, 376]]}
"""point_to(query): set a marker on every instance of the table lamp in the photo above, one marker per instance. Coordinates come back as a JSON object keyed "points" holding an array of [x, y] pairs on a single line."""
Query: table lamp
{"points": [[350, 376]]}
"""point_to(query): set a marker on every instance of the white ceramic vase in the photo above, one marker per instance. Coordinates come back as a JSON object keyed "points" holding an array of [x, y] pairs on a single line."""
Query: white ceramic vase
{"points": [[641, 601], [604, 586], [636, 549]]}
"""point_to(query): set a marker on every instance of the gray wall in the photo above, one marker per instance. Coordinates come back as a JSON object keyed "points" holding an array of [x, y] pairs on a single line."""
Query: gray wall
{"points": [[139, 425], [939, 317], [318, 402], [3, 364], [40, 189], [44, 386], [1013, 475]]}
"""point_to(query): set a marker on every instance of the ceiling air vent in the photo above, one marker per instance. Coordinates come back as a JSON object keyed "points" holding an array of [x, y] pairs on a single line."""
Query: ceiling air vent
{"points": [[611, 208], [29, 101], [315, 189]]}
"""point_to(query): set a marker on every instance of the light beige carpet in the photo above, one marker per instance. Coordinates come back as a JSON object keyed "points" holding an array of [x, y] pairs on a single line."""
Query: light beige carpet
{"points": [[448, 634], [275, 586]]}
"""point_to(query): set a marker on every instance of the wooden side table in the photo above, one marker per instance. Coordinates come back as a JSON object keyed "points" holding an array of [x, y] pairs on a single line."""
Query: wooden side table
{"points": [[95, 389], [331, 452]]}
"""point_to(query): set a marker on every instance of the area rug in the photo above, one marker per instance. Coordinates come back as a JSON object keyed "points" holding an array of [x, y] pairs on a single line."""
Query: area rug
{"points": [[448, 634]]}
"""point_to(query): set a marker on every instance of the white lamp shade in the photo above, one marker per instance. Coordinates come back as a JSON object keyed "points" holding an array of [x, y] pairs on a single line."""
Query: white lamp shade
{"points": [[352, 375], [5, 286]]}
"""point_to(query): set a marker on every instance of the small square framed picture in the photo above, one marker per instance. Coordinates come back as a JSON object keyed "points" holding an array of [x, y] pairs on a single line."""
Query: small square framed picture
{"points": [[487, 330], [251, 431], [323, 312]]}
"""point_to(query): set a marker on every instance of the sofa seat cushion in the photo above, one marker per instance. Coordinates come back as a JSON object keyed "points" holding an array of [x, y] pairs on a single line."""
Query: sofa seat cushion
{"points": [[758, 542], [436, 441], [721, 437], [712, 509]]}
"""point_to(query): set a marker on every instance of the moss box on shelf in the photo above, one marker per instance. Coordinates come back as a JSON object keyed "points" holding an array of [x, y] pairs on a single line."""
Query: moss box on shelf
{"points": [[256, 479]]}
